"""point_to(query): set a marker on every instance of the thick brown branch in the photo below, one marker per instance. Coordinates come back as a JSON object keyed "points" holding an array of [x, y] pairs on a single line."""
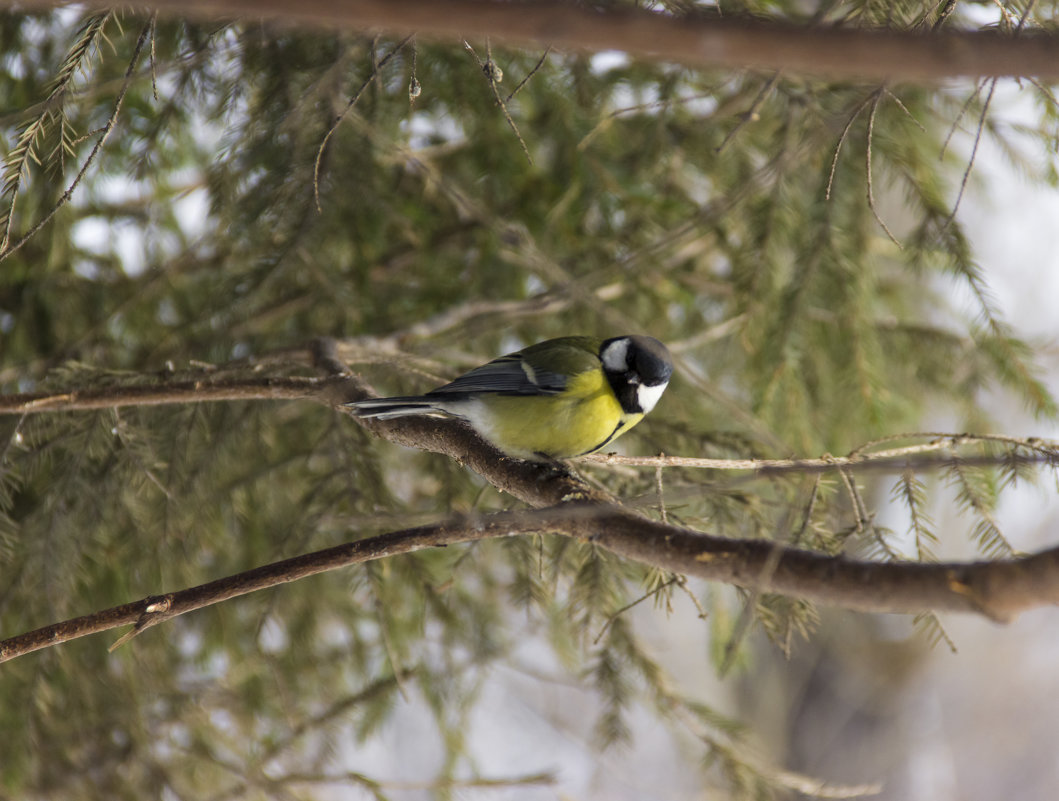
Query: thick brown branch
{"points": [[998, 589], [704, 41], [156, 609]]}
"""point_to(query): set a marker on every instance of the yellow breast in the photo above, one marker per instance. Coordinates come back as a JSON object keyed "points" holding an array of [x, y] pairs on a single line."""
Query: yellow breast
{"points": [[581, 419]]}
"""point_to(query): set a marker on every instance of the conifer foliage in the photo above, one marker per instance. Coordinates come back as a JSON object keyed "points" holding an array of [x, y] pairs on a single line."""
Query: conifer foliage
{"points": [[187, 205]]}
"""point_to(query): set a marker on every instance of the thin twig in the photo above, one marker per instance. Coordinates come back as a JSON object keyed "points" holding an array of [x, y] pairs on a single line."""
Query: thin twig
{"points": [[628, 606], [107, 128], [154, 61], [751, 114], [867, 164], [979, 85], [746, 616], [415, 88], [860, 512], [345, 112], [530, 74], [1047, 452], [974, 152], [254, 388], [943, 15], [982, 118], [661, 496], [1044, 90], [434, 788], [807, 514], [841, 140], [494, 75], [800, 783], [905, 109], [865, 520], [387, 644], [609, 119], [682, 583]]}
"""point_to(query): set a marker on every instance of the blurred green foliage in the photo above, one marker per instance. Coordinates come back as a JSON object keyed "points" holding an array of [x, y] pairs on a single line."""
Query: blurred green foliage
{"points": [[726, 214]]}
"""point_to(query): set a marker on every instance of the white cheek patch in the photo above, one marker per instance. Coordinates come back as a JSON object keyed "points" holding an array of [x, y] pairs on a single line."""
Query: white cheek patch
{"points": [[615, 356], [647, 396]]}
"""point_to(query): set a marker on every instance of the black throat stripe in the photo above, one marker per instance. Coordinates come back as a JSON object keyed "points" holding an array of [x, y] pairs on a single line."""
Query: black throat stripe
{"points": [[608, 438]]}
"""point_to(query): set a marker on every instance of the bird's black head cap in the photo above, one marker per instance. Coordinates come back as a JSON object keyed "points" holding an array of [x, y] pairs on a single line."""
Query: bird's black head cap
{"points": [[638, 369]]}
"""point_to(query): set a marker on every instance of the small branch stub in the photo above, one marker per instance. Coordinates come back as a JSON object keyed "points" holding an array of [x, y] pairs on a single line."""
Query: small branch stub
{"points": [[154, 611]]}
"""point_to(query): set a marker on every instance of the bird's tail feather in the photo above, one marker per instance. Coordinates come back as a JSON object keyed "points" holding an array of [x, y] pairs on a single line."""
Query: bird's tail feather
{"points": [[385, 408]]}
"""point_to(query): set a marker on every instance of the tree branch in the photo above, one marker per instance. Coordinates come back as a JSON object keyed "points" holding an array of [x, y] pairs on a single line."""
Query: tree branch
{"points": [[453, 438], [724, 43], [997, 589], [566, 506], [164, 392], [941, 451]]}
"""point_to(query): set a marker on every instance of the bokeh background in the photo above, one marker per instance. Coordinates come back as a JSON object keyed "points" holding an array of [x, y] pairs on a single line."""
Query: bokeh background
{"points": [[261, 185]]}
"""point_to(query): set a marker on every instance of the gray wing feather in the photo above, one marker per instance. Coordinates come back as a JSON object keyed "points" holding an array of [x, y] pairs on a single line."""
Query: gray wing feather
{"points": [[506, 376]]}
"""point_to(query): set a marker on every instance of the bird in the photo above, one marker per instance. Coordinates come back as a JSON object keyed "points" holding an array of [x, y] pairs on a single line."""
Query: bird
{"points": [[557, 399]]}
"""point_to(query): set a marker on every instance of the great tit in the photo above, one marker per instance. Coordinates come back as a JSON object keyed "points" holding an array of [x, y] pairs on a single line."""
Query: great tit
{"points": [[557, 399]]}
